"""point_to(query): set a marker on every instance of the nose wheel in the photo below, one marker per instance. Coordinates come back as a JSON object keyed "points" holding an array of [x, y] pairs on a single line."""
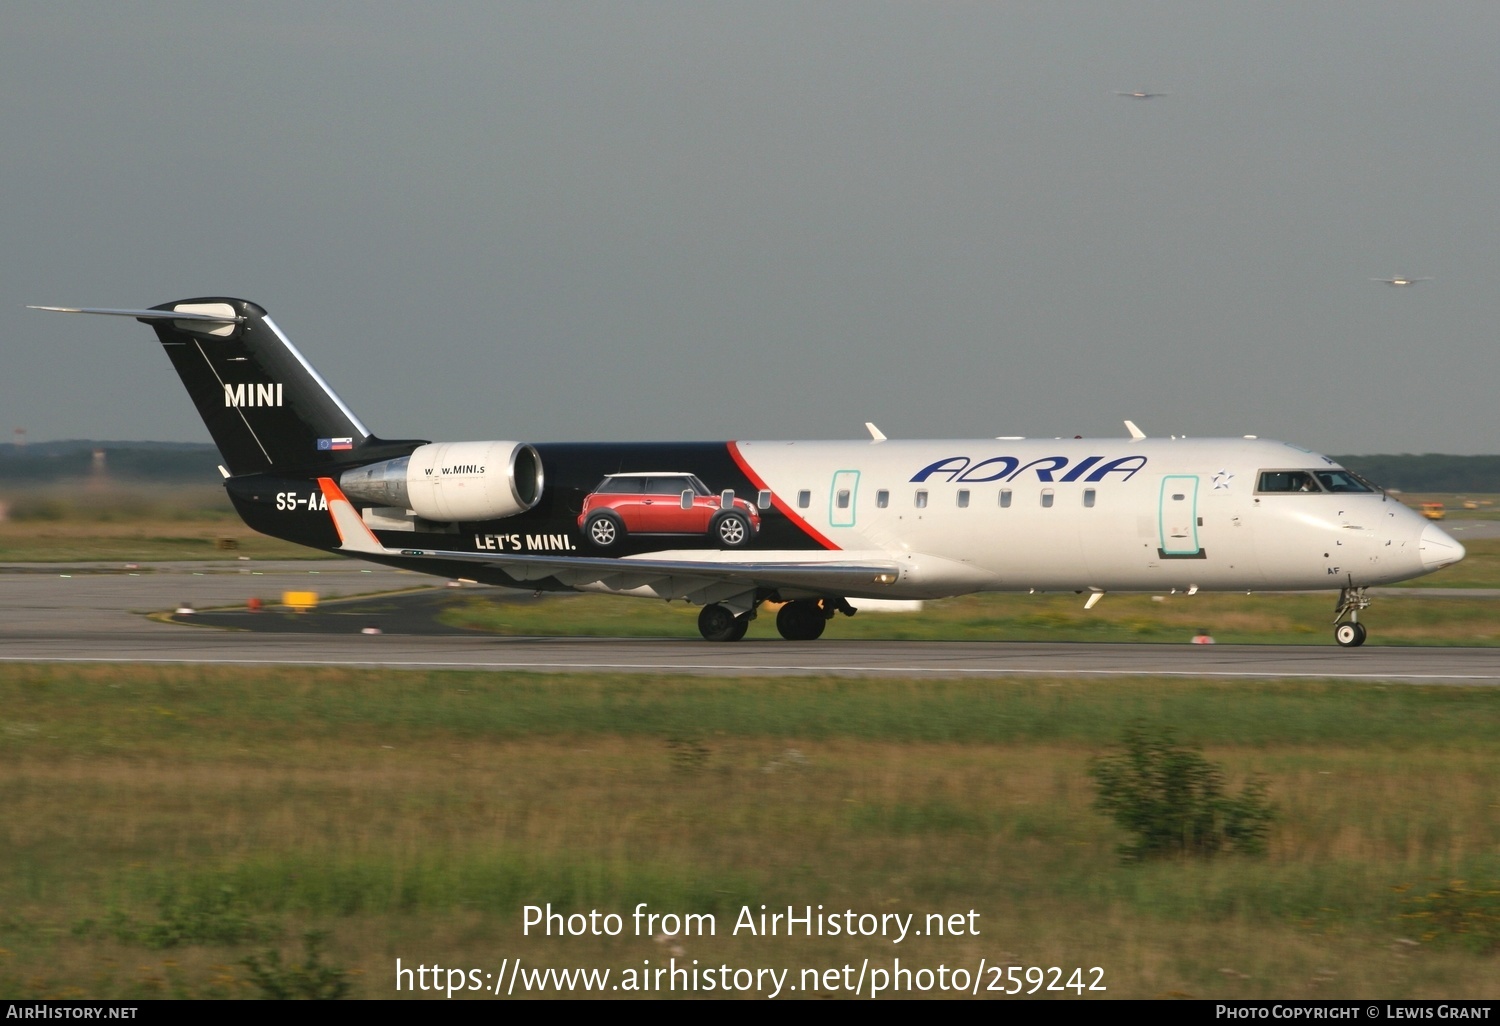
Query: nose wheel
{"points": [[1351, 601], [1350, 635]]}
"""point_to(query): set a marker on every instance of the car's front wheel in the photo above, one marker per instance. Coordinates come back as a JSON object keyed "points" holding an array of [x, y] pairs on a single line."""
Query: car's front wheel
{"points": [[731, 530]]}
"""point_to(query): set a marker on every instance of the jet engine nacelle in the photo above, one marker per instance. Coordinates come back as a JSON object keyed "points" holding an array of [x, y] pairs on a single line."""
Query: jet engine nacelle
{"points": [[453, 482]]}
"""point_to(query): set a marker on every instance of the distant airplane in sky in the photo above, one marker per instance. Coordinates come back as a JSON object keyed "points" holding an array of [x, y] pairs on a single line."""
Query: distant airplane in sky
{"points": [[1399, 279], [1139, 94]]}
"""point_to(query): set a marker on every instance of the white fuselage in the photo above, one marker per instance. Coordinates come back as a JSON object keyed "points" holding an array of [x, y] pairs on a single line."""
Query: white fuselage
{"points": [[1103, 515]]}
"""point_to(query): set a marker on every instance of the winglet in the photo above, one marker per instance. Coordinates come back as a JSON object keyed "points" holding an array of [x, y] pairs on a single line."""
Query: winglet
{"points": [[1135, 433], [354, 535], [875, 433]]}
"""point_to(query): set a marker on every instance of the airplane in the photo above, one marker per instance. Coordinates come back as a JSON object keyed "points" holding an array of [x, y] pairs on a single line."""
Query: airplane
{"points": [[1399, 280], [814, 525], [1139, 94]]}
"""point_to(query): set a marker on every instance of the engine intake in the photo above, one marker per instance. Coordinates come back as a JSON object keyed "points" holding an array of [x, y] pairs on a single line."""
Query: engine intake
{"points": [[453, 481]]}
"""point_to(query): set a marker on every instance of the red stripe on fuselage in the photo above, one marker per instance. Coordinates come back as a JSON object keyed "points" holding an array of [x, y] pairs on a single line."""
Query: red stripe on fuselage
{"points": [[776, 500]]}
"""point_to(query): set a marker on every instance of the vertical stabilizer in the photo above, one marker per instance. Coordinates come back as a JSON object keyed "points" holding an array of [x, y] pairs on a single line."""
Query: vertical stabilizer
{"points": [[265, 406]]}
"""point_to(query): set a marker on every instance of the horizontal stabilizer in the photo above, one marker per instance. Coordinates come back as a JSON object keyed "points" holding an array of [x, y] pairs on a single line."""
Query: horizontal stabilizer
{"points": [[150, 315]]}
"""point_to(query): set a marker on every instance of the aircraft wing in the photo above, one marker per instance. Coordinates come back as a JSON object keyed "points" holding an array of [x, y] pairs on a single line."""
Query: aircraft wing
{"points": [[704, 579], [678, 578]]}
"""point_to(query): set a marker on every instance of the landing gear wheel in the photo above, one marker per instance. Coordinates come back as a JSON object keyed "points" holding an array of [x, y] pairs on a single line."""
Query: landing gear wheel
{"points": [[730, 530], [802, 620], [1349, 635], [718, 623], [604, 530]]}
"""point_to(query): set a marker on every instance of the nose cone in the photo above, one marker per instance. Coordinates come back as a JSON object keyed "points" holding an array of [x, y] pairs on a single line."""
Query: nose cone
{"points": [[1438, 549]]}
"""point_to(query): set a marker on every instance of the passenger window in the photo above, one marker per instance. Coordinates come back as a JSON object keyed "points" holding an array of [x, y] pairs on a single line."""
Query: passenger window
{"points": [[1088, 498], [763, 499], [843, 498], [921, 500], [804, 499], [963, 498], [882, 498], [1005, 498], [1046, 498]]}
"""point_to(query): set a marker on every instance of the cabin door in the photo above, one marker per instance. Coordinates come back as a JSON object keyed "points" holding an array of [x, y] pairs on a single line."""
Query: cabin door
{"points": [[1178, 517]]}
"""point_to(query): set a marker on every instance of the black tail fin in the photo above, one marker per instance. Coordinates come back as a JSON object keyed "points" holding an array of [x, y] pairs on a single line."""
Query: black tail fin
{"points": [[266, 407]]}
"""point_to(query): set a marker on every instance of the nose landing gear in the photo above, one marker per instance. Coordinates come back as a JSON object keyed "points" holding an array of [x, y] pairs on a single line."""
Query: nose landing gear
{"points": [[1350, 635], [1351, 601]]}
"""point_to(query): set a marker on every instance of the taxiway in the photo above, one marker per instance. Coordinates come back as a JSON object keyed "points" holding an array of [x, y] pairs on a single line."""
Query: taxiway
{"points": [[100, 614]]}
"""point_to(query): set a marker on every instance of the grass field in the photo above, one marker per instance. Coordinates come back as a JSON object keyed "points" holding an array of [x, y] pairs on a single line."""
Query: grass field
{"points": [[130, 524], [160, 826], [142, 542]]}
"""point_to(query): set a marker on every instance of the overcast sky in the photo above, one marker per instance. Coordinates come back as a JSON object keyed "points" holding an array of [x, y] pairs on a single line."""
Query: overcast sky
{"points": [[709, 220]]}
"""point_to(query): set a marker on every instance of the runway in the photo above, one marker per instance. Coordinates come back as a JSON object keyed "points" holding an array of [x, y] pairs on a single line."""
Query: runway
{"points": [[98, 614]]}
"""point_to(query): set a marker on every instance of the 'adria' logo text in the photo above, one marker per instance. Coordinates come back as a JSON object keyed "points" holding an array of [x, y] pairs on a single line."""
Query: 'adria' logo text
{"points": [[1008, 468]]}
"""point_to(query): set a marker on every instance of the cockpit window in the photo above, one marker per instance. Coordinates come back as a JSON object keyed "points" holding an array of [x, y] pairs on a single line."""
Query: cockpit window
{"points": [[1342, 481], [1288, 481]]}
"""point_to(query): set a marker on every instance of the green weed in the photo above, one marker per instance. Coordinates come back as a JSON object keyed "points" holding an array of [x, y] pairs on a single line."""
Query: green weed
{"points": [[1172, 799], [312, 979]]}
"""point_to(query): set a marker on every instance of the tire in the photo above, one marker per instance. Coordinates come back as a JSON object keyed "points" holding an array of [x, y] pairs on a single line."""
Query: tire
{"points": [[718, 623], [603, 530], [731, 530], [1350, 635], [802, 620]]}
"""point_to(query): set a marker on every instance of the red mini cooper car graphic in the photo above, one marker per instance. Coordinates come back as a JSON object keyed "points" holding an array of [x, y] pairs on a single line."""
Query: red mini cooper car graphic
{"points": [[665, 503]]}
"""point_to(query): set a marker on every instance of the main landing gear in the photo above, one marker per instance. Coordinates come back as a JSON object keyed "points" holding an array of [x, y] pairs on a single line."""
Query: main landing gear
{"points": [[801, 620], [1351, 601], [718, 623]]}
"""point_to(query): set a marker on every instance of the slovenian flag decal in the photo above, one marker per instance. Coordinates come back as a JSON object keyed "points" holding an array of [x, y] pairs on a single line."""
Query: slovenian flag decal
{"points": [[335, 444]]}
